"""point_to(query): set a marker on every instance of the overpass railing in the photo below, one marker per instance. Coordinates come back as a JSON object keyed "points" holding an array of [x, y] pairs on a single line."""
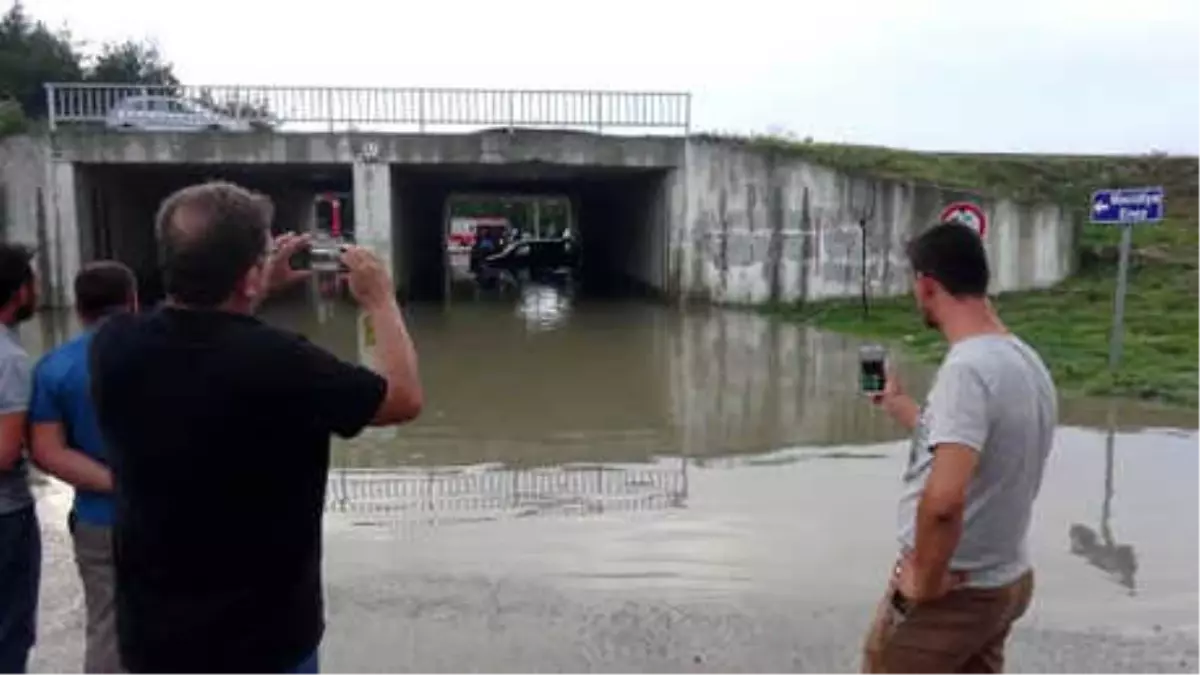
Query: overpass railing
{"points": [[361, 108]]}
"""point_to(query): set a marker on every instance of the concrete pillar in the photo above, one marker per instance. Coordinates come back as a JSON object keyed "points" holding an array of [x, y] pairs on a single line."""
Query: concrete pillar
{"points": [[62, 235], [373, 210]]}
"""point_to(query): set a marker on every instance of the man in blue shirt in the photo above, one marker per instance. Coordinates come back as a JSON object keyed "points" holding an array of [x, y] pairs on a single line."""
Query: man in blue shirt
{"points": [[66, 443]]}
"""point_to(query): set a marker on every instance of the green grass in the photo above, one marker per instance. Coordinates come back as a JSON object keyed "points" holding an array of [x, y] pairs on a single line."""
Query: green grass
{"points": [[1069, 324]]}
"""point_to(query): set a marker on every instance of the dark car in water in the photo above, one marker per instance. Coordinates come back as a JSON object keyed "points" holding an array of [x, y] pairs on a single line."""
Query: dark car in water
{"points": [[539, 257]]}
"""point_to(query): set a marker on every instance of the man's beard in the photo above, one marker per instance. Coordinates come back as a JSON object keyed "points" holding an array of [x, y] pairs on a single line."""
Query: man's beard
{"points": [[25, 312]]}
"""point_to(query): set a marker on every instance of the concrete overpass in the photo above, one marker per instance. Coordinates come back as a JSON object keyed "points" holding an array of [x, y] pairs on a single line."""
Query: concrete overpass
{"points": [[682, 216]]}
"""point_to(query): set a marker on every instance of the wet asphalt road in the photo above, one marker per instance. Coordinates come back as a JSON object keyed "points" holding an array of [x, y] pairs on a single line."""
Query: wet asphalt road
{"points": [[771, 563]]}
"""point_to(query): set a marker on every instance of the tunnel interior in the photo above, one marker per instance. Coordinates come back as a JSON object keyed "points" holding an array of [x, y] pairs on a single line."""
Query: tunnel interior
{"points": [[619, 218], [117, 204]]}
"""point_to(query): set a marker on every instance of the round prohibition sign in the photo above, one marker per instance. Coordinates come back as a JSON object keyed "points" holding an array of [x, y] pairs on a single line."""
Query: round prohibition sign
{"points": [[965, 213]]}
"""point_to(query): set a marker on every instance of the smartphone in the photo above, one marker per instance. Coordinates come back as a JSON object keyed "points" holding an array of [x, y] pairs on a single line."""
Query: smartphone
{"points": [[872, 375]]}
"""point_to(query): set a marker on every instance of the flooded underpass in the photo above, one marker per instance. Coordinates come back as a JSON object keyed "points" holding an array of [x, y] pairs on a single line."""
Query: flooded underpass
{"points": [[626, 486]]}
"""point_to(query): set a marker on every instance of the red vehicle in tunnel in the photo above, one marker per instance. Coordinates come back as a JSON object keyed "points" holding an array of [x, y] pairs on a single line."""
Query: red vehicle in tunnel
{"points": [[334, 215], [466, 231]]}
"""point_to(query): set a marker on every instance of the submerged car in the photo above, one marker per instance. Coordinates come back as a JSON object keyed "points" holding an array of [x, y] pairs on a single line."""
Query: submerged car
{"points": [[170, 113], [537, 256]]}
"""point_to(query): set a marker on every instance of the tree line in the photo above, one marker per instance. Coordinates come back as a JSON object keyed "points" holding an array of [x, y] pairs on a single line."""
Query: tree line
{"points": [[32, 54]]}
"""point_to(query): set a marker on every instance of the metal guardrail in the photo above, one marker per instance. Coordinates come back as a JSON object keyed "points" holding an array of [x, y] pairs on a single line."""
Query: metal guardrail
{"points": [[398, 493], [361, 108]]}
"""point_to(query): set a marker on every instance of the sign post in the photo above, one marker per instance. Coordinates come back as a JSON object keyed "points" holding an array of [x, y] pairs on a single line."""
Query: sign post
{"points": [[1124, 208], [965, 213]]}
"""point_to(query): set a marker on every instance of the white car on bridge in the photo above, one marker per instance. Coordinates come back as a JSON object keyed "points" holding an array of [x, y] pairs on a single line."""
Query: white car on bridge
{"points": [[170, 113]]}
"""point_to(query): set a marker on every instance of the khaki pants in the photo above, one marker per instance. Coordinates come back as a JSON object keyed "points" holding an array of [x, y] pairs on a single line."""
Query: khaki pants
{"points": [[94, 557], [963, 632]]}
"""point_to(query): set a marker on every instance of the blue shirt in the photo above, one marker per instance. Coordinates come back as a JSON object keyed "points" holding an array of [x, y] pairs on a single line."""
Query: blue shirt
{"points": [[62, 393]]}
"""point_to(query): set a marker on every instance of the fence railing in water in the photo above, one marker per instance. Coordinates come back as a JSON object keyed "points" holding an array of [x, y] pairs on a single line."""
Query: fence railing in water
{"points": [[399, 494], [365, 108]]}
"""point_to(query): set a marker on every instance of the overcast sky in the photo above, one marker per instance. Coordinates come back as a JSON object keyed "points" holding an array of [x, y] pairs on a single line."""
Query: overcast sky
{"points": [[985, 75]]}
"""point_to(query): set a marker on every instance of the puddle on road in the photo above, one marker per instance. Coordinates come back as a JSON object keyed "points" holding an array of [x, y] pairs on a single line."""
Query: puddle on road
{"points": [[624, 444]]}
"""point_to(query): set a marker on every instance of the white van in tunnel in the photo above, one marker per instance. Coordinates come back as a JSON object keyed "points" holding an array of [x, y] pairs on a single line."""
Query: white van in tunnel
{"points": [[169, 113]]}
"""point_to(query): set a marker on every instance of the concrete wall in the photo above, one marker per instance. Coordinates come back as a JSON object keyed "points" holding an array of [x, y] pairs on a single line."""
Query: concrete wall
{"points": [[38, 192], [710, 220], [493, 147], [23, 182], [758, 226]]}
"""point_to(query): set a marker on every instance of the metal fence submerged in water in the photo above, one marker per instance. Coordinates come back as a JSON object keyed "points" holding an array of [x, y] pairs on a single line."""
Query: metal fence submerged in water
{"points": [[366, 108], [397, 494]]}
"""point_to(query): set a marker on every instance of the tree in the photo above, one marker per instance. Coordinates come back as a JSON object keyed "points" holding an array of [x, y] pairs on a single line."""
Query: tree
{"points": [[31, 55], [131, 62]]}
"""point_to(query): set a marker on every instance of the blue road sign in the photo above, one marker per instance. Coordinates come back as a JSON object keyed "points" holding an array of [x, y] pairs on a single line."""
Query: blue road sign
{"points": [[1127, 206]]}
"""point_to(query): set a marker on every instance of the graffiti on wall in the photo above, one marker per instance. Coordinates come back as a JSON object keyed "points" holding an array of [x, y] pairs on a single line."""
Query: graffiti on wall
{"points": [[835, 250]]}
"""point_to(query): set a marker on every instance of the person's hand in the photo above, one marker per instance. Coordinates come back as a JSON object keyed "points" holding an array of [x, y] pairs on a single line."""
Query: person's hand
{"points": [[895, 402], [279, 272], [370, 283], [892, 389], [909, 585]]}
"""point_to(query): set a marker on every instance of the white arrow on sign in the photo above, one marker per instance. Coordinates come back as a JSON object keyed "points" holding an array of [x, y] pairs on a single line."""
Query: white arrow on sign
{"points": [[1100, 207]]}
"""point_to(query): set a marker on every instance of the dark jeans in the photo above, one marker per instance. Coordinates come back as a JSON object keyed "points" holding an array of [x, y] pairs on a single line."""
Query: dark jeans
{"points": [[308, 666], [20, 574]]}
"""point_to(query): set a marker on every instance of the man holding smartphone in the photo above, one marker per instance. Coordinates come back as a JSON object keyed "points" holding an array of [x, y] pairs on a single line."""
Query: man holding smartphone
{"points": [[980, 441], [219, 434]]}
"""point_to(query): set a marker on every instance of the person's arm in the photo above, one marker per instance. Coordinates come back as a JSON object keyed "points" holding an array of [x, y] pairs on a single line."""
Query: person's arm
{"points": [[50, 452], [898, 404], [958, 430], [396, 359], [395, 356], [12, 436], [48, 439], [14, 402], [904, 409]]}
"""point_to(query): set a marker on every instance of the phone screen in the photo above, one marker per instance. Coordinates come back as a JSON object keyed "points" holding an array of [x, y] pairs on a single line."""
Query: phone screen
{"points": [[872, 375]]}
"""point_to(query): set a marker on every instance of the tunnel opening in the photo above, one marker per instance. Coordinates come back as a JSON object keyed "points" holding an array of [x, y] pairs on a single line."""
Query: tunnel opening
{"points": [[117, 204], [617, 218]]}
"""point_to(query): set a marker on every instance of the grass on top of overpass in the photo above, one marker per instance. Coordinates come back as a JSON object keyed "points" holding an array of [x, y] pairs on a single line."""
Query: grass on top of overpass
{"points": [[1070, 323]]}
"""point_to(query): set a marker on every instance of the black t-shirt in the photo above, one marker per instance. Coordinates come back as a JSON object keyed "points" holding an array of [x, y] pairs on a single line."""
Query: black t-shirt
{"points": [[218, 429]]}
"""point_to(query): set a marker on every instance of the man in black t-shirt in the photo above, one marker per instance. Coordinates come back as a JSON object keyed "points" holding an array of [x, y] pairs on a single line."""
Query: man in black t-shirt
{"points": [[218, 429]]}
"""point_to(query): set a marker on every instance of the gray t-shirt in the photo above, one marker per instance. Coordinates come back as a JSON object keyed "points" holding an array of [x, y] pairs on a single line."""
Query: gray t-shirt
{"points": [[991, 393], [15, 386]]}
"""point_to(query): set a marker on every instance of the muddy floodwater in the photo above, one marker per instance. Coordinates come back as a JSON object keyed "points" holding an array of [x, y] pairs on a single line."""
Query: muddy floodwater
{"points": [[625, 486]]}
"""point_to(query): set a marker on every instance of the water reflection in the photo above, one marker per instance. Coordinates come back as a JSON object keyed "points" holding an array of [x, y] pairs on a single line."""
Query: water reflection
{"points": [[542, 377], [471, 494], [544, 306], [1101, 549]]}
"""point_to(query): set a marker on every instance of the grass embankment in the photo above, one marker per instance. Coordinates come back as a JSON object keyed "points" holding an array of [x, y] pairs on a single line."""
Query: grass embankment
{"points": [[1069, 324]]}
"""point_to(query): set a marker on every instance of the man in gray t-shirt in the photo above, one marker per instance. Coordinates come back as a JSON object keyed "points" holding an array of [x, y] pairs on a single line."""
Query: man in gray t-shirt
{"points": [[20, 539], [980, 442]]}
